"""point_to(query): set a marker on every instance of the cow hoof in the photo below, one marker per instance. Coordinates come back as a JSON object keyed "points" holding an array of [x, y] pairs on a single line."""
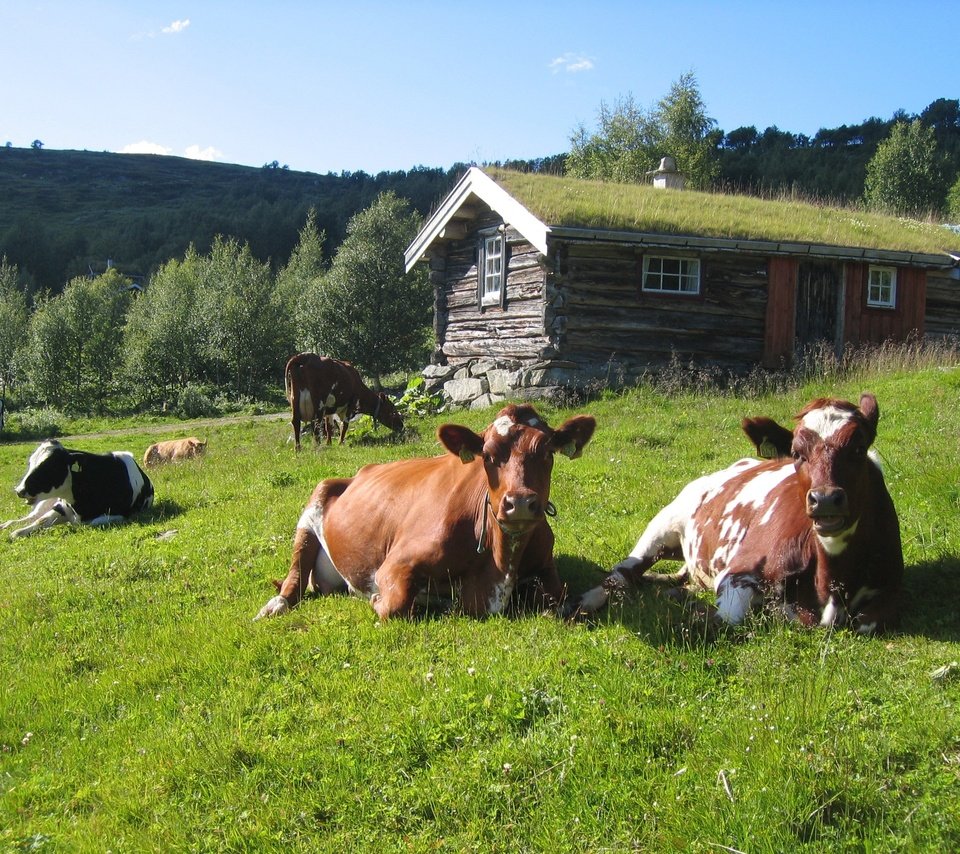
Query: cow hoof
{"points": [[274, 608]]}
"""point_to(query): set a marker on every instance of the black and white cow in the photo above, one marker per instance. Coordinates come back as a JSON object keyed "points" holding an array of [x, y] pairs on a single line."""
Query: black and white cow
{"points": [[76, 487]]}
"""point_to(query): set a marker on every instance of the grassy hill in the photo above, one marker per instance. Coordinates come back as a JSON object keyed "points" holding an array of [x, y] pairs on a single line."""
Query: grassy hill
{"points": [[63, 212]]}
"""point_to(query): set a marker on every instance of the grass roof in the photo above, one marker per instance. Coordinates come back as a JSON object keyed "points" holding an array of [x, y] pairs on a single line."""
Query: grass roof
{"points": [[561, 201]]}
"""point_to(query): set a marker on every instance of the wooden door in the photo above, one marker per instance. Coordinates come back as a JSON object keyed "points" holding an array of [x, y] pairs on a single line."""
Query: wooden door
{"points": [[819, 309]]}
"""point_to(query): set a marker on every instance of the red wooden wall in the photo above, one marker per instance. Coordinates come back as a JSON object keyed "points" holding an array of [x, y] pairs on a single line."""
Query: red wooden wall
{"points": [[866, 325]]}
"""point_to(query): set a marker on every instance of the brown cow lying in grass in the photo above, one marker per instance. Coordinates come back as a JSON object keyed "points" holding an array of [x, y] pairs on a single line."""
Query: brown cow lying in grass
{"points": [[471, 522], [174, 450], [814, 529]]}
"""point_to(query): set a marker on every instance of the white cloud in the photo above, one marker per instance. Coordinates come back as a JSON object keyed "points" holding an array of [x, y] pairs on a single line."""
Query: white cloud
{"points": [[176, 27], [195, 152], [144, 147], [572, 63]]}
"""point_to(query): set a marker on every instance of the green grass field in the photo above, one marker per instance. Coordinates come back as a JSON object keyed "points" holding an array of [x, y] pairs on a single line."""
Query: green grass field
{"points": [[141, 708]]}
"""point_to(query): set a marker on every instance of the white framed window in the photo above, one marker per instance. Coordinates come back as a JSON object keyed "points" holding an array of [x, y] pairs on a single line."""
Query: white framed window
{"points": [[882, 287], [671, 274], [491, 269]]}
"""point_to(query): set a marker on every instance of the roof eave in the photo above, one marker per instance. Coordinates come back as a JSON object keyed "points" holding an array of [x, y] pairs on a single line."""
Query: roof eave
{"points": [[757, 247]]}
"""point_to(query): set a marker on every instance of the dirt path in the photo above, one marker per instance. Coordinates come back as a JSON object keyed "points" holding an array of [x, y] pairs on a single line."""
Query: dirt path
{"points": [[175, 426]]}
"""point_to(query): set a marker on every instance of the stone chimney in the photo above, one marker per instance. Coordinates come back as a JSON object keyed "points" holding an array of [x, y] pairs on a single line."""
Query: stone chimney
{"points": [[666, 176]]}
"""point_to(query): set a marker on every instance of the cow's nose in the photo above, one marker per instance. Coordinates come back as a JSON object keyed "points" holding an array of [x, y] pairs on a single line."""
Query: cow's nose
{"points": [[830, 501], [521, 505], [20, 491]]}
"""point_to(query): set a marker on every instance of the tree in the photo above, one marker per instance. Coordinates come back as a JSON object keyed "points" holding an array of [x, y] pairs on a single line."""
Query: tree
{"points": [[298, 281], [368, 310], [623, 149], [687, 133], [942, 115], [13, 320], [249, 332], [903, 177], [953, 201], [74, 342], [631, 141], [163, 343]]}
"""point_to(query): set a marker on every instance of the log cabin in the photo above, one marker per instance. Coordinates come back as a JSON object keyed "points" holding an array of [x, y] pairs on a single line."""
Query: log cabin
{"points": [[544, 282]]}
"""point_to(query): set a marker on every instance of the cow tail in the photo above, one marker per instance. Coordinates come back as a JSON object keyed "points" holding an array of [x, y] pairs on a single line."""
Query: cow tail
{"points": [[293, 384]]}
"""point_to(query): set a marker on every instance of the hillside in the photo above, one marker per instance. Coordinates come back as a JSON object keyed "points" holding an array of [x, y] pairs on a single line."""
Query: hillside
{"points": [[64, 212]]}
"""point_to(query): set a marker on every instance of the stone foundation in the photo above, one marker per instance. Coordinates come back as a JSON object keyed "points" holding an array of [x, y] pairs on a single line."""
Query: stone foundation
{"points": [[478, 383]]}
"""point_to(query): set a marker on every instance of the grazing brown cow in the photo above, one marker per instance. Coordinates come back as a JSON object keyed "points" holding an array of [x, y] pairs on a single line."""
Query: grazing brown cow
{"points": [[319, 388], [472, 520], [819, 531], [174, 450]]}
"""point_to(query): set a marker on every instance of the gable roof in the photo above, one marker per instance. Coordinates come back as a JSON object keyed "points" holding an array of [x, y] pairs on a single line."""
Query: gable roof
{"points": [[459, 205], [540, 206]]}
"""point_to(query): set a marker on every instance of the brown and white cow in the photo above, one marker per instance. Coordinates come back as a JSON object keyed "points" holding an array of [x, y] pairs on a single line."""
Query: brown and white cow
{"points": [[319, 387], [471, 522], [819, 531], [174, 450]]}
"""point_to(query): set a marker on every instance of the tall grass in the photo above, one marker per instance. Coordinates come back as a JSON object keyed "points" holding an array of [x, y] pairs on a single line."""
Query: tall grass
{"points": [[142, 710]]}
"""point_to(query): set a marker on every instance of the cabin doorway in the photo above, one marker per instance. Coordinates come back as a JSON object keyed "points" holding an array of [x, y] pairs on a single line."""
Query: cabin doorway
{"points": [[819, 319]]}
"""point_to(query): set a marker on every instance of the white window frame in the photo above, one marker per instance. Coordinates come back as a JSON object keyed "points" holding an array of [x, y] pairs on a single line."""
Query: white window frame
{"points": [[880, 293], [492, 271], [682, 279]]}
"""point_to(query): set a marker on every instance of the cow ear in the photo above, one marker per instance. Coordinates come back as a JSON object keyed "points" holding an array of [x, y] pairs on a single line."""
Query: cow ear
{"points": [[871, 412], [571, 437], [460, 441], [769, 438]]}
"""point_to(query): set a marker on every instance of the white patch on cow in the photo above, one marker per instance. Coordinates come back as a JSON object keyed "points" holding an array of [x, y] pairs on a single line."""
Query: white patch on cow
{"points": [[728, 544], [37, 458], [756, 491], [500, 594], [134, 475], [42, 515], [312, 520], [734, 601], [769, 513], [325, 571], [330, 401], [834, 614], [834, 546], [503, 424], [826, 421], [274, 608], [307, 412], [864, 594]]}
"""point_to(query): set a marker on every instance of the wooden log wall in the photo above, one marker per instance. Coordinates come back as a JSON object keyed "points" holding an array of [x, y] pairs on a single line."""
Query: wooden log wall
{"points": [[466, 331], [603, 317], [942, 319]]}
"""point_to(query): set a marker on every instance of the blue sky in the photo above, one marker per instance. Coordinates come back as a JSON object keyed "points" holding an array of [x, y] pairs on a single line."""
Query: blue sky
{"points": [[372, 86]]}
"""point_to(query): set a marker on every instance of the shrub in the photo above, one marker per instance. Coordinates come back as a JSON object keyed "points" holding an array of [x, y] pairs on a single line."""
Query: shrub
{"points": [[193, 403], [42, 423]]}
